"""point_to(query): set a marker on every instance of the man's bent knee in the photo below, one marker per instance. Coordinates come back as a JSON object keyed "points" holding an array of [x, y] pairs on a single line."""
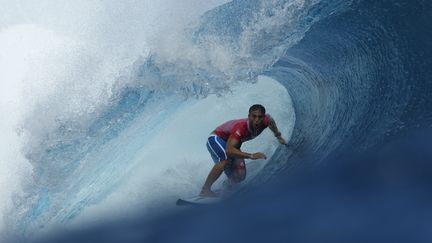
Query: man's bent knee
{"points": [[239, 170]]}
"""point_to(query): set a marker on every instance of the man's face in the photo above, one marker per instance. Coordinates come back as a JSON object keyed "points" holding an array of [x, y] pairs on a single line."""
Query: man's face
{"points": [[256, 118]]}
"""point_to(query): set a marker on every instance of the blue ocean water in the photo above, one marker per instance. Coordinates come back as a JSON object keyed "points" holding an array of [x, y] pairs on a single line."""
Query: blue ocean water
{"points": [[357, 169]]}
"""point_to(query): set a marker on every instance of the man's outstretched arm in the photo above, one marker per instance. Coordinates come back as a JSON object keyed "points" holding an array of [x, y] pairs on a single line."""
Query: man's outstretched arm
{"points": [[275, 130]]}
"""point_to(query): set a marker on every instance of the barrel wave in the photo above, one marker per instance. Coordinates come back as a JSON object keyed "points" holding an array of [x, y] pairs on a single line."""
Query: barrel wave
{"points": [[349, 83]]}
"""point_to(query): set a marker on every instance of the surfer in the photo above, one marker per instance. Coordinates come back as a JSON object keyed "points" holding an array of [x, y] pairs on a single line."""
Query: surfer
{"points": [[224, 145]]}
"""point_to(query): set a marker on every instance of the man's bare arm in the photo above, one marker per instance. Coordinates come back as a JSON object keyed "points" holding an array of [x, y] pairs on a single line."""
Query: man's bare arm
{"points": [[273, 127], [233, 151]]}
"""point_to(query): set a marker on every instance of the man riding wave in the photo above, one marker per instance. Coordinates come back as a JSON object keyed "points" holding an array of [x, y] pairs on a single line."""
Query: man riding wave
{"points": [[224, 145]]}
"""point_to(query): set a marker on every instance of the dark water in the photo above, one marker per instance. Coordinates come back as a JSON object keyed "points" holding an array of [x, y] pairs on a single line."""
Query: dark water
{"points": [[359, 164]]}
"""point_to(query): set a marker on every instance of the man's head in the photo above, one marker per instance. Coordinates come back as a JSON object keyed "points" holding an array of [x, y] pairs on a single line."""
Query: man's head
{"points": [[257, 107], [256, 116]]}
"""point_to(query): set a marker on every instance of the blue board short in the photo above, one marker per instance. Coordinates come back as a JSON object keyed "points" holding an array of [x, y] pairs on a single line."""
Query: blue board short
{"points": [[217, 149]]}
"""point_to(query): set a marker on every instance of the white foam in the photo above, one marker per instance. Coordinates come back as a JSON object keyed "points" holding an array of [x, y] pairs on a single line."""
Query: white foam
{"points": [[14, 60], [58, 60]]}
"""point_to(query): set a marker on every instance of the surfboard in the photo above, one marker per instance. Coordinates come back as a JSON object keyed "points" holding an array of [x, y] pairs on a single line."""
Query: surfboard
{"points": [[197, 200]]}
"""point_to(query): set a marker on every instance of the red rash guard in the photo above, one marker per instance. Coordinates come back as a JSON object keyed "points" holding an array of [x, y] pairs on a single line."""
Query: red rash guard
{"points": [[239, 129]]}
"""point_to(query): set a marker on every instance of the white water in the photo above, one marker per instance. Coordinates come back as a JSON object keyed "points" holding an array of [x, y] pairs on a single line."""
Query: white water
{"points": [[60, 58]]}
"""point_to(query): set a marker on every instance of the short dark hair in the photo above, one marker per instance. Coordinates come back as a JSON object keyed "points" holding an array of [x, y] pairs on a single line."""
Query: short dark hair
{"points": [[257, 107]]}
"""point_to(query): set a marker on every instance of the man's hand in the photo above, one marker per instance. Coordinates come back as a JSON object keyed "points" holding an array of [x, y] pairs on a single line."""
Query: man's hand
{"points": [[258, 155], [281, 140]]}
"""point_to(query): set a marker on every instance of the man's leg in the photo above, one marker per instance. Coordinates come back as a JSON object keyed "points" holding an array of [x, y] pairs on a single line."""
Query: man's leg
{"points": [[216, 147], [236, 173], [238, 170], [214, 174]]}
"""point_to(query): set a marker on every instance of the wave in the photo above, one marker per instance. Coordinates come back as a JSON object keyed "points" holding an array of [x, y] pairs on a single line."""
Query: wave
{"points": [[356, 72]]}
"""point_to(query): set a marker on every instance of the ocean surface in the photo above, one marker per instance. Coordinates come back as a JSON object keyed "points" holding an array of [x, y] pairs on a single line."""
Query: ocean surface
{"points": [[106, 107]]}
